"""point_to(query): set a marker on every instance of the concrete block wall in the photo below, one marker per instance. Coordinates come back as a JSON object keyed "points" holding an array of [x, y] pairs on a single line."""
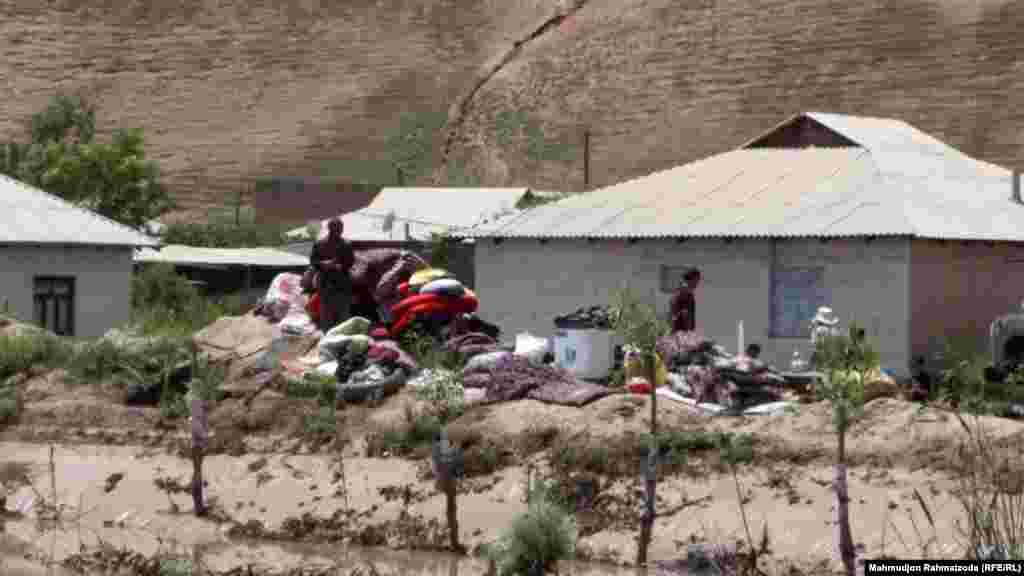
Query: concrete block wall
{"points": [[102, 282], [523, 285]]}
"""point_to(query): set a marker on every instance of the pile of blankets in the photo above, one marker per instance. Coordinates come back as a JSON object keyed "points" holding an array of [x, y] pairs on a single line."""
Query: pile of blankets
{"points": [[505, 376], [433, 297], [711, 375], [362, 366]]}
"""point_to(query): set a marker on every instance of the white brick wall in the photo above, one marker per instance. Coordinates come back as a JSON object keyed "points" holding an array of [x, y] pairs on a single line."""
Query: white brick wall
{"points": [[523, 284], [102, 282]]}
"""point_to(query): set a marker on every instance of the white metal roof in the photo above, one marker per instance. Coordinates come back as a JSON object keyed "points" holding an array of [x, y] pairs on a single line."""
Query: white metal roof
{"points": [[899, 182], [31, 216], [194, 256], [422, 211]]}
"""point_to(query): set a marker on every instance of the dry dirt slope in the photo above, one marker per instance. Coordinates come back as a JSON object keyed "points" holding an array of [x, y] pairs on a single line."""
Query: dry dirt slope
{"points": [[230, 90]]}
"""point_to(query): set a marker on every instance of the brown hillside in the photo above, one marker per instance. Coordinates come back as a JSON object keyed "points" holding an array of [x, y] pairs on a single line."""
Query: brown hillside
{"points": [[229, 91]]}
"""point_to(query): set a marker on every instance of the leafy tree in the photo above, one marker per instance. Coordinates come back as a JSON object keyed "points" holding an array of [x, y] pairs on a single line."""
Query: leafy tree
{"points": [[63, 157], [846, 361]]}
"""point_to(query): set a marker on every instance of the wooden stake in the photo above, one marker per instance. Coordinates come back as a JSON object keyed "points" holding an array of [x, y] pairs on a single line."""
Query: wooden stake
{"points": [[586, 160], [199, 439]]}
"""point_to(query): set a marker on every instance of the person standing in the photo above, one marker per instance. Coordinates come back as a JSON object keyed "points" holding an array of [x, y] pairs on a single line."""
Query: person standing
{"points": [[684, 304], [333, 258]]}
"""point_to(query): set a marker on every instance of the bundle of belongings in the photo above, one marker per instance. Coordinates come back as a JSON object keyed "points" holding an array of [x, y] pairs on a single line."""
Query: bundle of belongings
{"points": [[592, 318], [367, 365], [362, 367], [286, 305], [698, 368], [503, 376], [375, 275], [433, 298]]}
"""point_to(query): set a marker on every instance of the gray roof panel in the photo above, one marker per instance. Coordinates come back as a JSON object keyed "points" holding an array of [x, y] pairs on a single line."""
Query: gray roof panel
{"points": [[901, 182], [31, 216]]}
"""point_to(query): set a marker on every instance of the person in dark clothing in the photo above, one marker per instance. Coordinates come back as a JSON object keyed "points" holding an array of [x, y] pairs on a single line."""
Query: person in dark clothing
{"points": [[921, 388], [333, 258], [684, 305]]}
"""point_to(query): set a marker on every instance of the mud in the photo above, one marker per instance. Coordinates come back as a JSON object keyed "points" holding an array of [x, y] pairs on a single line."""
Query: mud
{"points": [[117, 475]]}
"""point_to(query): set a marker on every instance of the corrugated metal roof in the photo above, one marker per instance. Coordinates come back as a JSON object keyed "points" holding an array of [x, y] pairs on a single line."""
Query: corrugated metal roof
{"points": [[215, 257], [425, 210], [31, 216], [902, 182]]}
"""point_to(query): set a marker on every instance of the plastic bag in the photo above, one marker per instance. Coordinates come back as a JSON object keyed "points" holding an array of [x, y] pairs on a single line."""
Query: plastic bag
{"points": [[336, 347], [445, 287], [484, 362], [425, 276], [354, 326], [532, 347], [327, 369]]}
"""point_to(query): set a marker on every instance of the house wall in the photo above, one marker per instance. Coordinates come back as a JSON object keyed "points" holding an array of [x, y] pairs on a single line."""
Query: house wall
{"points": [[102, 282], [959, 288], [523, 285]]}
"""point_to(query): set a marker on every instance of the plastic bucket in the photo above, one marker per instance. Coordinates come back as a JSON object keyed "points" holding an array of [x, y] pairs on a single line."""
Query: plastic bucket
{"points": [[587, 354]]}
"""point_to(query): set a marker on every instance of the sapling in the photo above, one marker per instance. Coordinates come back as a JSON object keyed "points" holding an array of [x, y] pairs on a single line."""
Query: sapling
{"points": [[845, 360], [640, 327]]}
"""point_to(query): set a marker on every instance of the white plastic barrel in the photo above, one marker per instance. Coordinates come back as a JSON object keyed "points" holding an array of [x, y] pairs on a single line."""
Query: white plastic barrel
{"points": [[587, 354]]}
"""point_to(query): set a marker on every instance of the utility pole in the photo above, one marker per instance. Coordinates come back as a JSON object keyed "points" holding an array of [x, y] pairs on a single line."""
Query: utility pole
{"points": [[586, 160]]}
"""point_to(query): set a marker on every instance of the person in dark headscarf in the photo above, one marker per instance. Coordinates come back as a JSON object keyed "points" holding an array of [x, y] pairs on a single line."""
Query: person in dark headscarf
{"points": [[684, 304], [333, 258]]}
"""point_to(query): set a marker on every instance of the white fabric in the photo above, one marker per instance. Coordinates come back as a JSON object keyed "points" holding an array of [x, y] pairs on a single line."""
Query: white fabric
{"points": [[532, 347]]}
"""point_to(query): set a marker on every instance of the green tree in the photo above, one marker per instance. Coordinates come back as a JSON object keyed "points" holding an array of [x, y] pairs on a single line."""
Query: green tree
{"points": [[63, 157], [846, 361]]}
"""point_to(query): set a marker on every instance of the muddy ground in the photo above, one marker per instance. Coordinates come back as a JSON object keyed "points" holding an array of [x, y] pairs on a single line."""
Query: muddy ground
{"points": [[274, 479]]}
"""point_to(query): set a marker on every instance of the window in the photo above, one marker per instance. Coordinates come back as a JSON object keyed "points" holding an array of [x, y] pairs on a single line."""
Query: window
{"points": [[55, 304], [672, 277], [797, 293]]}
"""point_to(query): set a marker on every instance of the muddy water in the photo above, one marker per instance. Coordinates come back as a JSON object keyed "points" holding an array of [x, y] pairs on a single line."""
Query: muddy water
{"points": [[794, 503], [135, 515], [284, 556]]}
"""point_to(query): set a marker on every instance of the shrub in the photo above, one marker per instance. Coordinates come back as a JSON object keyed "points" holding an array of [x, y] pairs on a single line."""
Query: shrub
{"points": [[9, 403], [160, 286], [21, 352], [311, 385], [165, 303], [444, 394], [221, 234], [321, 423], [962, 375], [991, 493], [418, 430], [537, 539]]}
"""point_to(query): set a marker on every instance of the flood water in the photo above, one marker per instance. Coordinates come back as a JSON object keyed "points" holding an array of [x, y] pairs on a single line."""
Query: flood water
{"points": [[276, 556]]}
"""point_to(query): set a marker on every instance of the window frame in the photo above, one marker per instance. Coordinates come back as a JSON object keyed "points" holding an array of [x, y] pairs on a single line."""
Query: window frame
{"points": [[774, 330], [52, 295], [670, 277]]}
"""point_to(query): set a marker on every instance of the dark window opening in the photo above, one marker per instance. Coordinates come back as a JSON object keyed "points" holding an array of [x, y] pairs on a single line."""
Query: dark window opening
{"points": [[54, 299]]}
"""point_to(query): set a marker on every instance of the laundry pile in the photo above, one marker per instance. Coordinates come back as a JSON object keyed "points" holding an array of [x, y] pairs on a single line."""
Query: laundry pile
{"points": [[505, 376], [361, 366], [285, 304], [592, 318], [705, 372], [433, 298]]}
